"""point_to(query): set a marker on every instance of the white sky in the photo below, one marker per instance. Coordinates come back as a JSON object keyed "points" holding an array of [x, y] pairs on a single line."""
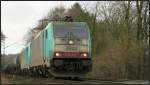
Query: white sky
{"points": [[18, 16]]}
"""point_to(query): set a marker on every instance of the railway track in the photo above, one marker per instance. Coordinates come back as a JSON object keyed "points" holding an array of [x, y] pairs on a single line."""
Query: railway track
{"points": [[34, 80]]}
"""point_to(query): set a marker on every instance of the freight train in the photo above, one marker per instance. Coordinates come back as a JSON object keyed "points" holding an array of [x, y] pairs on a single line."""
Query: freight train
{"points": [[61, 49]]}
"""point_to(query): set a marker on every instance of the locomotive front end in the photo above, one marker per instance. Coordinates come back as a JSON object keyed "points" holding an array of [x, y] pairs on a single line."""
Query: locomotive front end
{"points": [[72, 47]]}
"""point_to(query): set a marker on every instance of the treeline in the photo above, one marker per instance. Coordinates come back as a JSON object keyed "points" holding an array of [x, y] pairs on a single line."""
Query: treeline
{"points": [[8, 63], [119, 31], [2, 42], [2, 36]]}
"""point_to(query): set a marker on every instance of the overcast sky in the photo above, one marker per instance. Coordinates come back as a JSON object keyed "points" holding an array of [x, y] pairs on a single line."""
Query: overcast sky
{"points": [[18, 16]]}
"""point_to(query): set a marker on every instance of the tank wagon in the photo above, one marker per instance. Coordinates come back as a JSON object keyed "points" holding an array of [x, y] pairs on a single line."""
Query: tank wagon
{"points": [[62, 49]]}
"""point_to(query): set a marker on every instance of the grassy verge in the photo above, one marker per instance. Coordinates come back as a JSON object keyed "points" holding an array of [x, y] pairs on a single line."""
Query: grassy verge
{"points": [[25, 81], [21, 80]]}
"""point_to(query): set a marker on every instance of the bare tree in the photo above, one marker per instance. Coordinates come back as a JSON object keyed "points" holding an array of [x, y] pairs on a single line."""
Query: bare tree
{"points": [[2, 37], [29, 36], [139, 5]]}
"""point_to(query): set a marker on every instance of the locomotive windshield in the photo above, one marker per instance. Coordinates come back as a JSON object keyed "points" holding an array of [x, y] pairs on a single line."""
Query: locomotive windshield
{"points": [[76, 31]]}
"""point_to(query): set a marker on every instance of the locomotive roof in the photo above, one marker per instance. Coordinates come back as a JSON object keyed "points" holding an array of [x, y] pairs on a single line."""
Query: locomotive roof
{"points": [[69, 23]]}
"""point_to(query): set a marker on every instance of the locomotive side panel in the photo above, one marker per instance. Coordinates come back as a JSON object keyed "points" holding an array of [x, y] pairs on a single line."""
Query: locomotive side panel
{"points": [[42, 48], [18, 61], [28, 54], [36, 51], [48, 43], [23, 59]]}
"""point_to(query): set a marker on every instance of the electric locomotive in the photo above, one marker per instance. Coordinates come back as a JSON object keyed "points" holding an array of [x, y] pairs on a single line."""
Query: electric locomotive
{"points": [[64, 48]]}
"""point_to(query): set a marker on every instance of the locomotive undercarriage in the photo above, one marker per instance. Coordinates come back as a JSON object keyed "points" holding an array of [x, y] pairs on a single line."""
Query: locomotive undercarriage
{"points": [[35, 71], [71, 65], [59, 68]]}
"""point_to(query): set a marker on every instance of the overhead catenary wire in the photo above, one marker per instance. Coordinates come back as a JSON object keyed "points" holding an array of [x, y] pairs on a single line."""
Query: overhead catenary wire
{"points": [[67, 18], [11, 44]]}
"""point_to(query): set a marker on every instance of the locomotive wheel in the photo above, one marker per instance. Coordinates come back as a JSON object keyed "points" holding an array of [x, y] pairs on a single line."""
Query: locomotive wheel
{"points": [[31, 72], [35, 72], [44, 71], [40, 73]]}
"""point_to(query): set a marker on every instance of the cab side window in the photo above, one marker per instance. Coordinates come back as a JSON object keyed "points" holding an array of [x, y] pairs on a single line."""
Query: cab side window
{"points": [[46, 33]]}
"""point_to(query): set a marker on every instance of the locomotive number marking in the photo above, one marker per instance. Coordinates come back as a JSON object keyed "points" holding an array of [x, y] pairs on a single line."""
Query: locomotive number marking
{"points": [[71, 48]]}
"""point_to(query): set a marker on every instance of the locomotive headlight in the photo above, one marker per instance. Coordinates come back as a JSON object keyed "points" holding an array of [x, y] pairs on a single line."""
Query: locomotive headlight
{"points": [[84, 54], [57, 54], [71, 42]]}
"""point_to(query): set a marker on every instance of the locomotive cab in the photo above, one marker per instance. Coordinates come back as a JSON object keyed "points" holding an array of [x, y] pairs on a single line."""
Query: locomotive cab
{"points": [[72, 50]]}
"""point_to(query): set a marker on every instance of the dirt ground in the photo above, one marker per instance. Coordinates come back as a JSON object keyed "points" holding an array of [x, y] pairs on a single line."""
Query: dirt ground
{"points": [[5, 79]]}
